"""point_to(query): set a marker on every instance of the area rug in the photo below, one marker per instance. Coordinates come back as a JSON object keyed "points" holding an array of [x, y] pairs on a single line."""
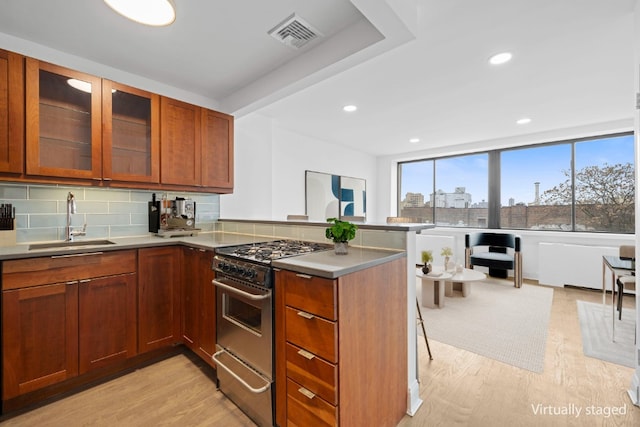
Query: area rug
{"points": [[595, 327], [496, 320]]}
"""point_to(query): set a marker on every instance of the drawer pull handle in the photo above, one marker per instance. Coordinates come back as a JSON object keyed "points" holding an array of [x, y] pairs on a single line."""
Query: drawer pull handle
{"points": [[306, 354], [303, 276], [306, 392], [306, 315], [76, 255]]}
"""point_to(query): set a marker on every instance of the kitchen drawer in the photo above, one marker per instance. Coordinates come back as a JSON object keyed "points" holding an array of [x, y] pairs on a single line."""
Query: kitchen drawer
{"points": [[312, 333], [312, 294], [23, 273], [315, 374], [306, 409]]}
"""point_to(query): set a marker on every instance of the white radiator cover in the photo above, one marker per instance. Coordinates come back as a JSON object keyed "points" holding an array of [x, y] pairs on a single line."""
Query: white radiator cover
{"points": [[577, 265]]}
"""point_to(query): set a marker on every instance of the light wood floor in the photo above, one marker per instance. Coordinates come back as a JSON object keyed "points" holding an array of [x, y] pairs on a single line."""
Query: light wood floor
{"points": [[458, 388]]}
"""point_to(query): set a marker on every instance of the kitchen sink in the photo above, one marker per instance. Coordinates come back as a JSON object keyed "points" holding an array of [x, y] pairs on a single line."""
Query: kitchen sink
{"points": [[73, 244]]}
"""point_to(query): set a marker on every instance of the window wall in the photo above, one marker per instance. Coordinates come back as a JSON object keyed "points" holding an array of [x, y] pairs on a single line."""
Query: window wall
{"points": [[578, 185]]}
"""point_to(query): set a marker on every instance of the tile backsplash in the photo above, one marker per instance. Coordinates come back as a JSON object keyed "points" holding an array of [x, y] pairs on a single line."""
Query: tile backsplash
{"points": [[41, 210]]}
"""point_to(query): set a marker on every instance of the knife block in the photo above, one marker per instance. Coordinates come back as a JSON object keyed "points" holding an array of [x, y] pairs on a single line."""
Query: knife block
{"points": [[8, 237]]}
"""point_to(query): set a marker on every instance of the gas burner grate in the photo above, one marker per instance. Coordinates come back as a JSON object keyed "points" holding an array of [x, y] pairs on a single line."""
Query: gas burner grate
{"points": [[268, 251]]}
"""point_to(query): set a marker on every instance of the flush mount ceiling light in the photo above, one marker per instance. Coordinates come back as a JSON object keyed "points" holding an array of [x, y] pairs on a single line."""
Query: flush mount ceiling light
{"points": [[523, 121], [414, 140], [156, 13], [349, 108], [500, 58]]}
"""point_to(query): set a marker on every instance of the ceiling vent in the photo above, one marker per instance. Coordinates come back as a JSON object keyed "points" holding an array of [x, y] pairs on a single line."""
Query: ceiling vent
{"points": [[294, 31]]}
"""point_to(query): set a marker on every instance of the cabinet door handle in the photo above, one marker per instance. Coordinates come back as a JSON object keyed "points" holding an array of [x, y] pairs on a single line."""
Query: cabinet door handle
{"points": [[306, 315], [306, 392], [306, 354], [85, 280], [303, 276]]}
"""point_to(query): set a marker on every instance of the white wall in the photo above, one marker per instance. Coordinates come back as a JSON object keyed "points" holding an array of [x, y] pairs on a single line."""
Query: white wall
{"points": [[270, 165], [253, 182]]}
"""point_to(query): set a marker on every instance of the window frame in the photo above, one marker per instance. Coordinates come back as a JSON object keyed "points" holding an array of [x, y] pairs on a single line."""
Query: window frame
{"points": [[494, 179]]}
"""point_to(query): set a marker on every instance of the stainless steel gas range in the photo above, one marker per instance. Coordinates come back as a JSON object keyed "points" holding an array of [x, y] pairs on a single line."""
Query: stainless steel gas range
{"points": [[244, 328]]}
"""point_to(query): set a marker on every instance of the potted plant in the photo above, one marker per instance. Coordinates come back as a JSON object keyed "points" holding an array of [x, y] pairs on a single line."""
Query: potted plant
{"points": [[427, 257], [340, 232], [446, 253]]}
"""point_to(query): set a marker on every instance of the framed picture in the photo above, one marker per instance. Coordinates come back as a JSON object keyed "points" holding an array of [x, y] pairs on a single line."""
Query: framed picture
{"points": [[334, 196]]}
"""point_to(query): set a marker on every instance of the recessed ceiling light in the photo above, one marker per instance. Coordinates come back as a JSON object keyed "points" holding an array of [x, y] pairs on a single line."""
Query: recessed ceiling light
{"points": [[500, 58], [414, 140], [523, 121], [349, 108], [156, 13]]}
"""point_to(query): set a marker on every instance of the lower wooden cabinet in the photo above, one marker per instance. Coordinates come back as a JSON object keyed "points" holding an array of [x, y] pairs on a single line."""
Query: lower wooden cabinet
{"points": [[341, 347], [107, 321], [39, 337], [198, 303], [159, 278], [52, 332]]}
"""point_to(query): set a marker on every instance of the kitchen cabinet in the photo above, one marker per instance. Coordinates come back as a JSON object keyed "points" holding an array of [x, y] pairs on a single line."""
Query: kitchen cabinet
{"points": [[217, 149], [11, 112], [63, 134], [196, 146], [198, 303], [58, 124], [65, 315], [159, 277], [107, 319], [130, 134], [180, 146], [341, 356]]}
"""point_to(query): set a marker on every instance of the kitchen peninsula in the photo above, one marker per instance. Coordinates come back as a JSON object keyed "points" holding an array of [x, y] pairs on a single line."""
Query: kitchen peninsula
{"points": [[395, 236]]}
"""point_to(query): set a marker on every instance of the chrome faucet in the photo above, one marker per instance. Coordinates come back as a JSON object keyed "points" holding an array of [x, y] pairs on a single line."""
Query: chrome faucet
{"points": [[71, 209]]}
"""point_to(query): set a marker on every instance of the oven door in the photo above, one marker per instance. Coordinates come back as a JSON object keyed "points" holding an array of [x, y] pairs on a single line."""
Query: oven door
{"points": [[244, 322]]}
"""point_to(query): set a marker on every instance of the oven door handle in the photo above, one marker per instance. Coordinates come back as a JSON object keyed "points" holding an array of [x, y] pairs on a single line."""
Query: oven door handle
{"points": [[241, 292], [234, 375]]}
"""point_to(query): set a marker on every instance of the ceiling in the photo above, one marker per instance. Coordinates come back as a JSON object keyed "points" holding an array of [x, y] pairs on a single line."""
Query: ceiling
{"points": [[414, 68]]}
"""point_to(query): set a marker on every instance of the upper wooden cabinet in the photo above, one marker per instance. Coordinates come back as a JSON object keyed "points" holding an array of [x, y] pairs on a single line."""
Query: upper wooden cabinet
{"points": [[130, 134], [196, 146], [104, 132], [217, 149], [180, 147], [11, 112], [63, 137]]}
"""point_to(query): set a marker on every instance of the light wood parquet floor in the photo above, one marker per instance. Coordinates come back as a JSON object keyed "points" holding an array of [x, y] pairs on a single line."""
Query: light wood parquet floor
{"points": [[459, 388]]}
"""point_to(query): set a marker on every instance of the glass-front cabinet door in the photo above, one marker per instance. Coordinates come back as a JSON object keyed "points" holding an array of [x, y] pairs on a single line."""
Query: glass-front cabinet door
{"points": [[63, 122], [131, 133]]}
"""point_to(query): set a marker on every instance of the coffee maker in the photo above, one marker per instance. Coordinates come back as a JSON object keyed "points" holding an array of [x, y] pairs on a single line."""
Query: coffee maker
{"points": [[168, 218]]}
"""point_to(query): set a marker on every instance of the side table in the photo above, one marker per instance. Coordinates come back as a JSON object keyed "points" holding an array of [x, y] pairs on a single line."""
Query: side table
{"points": [[433, 285]]}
